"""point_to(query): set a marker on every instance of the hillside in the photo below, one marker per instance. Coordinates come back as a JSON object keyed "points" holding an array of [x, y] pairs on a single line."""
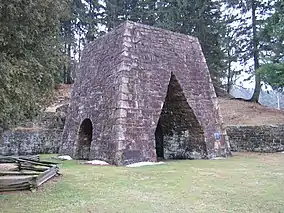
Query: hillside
{"points": [[61, 96], [268, 98], [238, 112], [234, 112]]}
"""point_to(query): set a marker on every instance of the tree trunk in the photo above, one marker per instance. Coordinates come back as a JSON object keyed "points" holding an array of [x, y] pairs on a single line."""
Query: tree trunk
{"points": [[257, 88], [69, 69], [229, 77], [151, 18], [79, 46], [65, 66]]}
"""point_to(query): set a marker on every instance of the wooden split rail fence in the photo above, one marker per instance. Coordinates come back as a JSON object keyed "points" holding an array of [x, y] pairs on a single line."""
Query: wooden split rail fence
{"points": [[25, 173]]}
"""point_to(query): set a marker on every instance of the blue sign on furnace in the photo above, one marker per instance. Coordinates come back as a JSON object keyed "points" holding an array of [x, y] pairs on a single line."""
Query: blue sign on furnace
{"points": [[217, 135]]}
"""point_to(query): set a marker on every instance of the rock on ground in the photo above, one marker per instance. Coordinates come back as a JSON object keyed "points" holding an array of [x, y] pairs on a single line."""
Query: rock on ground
{"points": [[64, 157], [144, 164], [96, 162]]}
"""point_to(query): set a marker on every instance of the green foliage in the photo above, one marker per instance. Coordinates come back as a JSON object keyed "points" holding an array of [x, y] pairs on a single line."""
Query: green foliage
{"points": [[39, 41], [70, 26], [30, 55], [272, 71], [273, 74], [273, 34], [252, 15], [142, 11], [201, 19], [196, 18], [230, 47]]}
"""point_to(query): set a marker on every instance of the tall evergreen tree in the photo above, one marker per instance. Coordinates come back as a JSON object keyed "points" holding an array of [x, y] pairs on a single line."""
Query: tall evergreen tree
{"points": [[230, 47], [94, 18], [30, 55], [73, 26], [141, 11], [201, 19], [272, 71], [252, 15], [198, 18]]}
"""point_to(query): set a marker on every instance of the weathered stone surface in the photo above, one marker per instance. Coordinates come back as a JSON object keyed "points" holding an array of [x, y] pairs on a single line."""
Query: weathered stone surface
{"points": [[43, 135], [30, 141], [134, 78], [265, 138], [179, 131]]}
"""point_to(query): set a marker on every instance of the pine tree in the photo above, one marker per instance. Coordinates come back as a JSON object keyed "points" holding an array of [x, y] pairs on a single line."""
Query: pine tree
{"points": [[141, 11], [272, 34], [250, 22], [72, 26], [31, 56], [114, 13], [94, 17], [201, 19], [230, 47]]}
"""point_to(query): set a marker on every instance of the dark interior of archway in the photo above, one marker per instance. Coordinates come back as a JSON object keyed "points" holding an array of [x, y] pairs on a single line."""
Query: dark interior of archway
{"points": [[159, 141], [85, 139], [178, 134]]}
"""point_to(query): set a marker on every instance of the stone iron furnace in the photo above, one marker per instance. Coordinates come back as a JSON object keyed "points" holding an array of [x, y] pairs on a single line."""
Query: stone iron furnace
{"points": [[143, 94]]}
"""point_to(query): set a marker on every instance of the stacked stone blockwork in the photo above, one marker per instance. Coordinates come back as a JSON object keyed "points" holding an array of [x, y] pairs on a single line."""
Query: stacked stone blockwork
{"points": [[263, 138], [141, 94]]}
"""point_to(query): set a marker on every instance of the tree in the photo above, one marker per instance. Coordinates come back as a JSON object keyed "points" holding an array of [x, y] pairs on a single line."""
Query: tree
{"points": [[201, 19], [272, 71], [31, 56], [250, 21], [73, 25], [93, 19], [141, 11], [197, 18], [230, 47], [273, 74], [255, 51]]}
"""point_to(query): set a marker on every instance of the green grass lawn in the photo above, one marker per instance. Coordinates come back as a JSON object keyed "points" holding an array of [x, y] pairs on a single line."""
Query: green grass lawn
{"points": [[243, 183]]}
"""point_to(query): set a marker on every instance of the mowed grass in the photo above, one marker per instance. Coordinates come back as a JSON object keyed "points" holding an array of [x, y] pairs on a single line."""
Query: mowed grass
{"points": [[243, 183]]}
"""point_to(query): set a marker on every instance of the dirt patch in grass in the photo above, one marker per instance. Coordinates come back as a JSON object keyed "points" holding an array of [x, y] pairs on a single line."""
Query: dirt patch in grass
{"points": [[238, 112]]}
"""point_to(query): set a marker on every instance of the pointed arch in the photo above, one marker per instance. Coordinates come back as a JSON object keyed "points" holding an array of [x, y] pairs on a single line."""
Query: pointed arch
{"points": [[178, 135]]}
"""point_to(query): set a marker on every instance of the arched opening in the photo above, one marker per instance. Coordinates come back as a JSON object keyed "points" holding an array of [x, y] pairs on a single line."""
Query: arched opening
{"points": [[85, 139], [178, 134], [159, 141]]}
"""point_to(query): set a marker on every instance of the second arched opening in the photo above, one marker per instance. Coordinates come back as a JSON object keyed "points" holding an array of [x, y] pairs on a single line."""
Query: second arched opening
{"points": [[85, 139], [178, 134]]}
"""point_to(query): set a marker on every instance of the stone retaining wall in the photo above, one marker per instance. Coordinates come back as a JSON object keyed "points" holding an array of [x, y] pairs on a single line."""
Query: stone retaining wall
{"points": [[41, 136], [30, 141], [265, 138]]}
